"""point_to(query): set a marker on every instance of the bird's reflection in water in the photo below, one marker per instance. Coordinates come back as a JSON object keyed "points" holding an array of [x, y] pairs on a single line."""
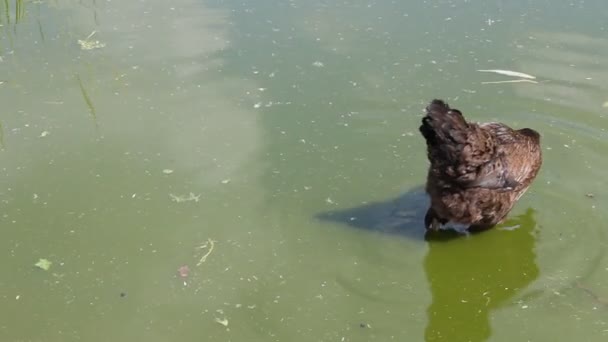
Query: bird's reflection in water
{"points": [[469, 276]]}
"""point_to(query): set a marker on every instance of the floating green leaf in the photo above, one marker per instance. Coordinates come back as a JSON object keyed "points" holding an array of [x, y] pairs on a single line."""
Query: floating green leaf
{"points": [[44, 264]]}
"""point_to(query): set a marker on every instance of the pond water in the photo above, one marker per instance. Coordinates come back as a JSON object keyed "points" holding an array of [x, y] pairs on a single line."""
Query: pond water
{"points": [[268, 150]]}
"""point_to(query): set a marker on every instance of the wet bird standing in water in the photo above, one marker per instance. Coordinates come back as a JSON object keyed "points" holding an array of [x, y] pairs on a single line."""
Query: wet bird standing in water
{"points": [[477, 171]]}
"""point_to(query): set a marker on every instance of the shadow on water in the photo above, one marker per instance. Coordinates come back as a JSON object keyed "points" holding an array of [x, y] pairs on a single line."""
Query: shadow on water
{"points": [[469, 276], [403, 215]]}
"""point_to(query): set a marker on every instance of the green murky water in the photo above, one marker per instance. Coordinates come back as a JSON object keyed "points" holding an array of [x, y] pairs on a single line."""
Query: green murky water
{"points": [[279, 139]]}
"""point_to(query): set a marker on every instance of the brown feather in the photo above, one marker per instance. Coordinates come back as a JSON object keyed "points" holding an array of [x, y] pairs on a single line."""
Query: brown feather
{"points": [[477, 172]]}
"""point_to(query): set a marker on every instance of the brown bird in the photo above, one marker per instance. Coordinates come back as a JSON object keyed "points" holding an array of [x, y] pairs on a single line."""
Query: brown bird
{"points": [[477, 171]]}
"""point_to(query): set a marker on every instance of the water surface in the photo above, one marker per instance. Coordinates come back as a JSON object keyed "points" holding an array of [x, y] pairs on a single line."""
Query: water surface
{"points": [[279, 138]]}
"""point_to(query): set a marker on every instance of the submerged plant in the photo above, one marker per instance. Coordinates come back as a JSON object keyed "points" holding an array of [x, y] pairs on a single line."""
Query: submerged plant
{"points": [[88, 101], [1, 137]]}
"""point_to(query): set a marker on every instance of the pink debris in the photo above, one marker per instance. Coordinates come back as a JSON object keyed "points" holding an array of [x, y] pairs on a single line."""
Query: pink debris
{"points": [[184, 271]]}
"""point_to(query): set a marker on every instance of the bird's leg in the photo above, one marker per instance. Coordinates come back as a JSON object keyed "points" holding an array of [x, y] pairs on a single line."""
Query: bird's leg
{"points": [[431, 221]]}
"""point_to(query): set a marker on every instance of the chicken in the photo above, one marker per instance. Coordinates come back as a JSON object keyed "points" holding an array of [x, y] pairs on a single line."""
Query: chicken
{"points": [[477, 171]]}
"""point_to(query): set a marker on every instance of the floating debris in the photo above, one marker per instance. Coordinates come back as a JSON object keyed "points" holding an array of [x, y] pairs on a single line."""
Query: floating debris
{"points": [[44, 264], [509, 73], [318, 64], [222, 321], [509, 81], [184, 198], [510, 228], [44, 134], [590, 195], [225, 181], [87, 44], [210, 244], [167, 171], [183, 271]]}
